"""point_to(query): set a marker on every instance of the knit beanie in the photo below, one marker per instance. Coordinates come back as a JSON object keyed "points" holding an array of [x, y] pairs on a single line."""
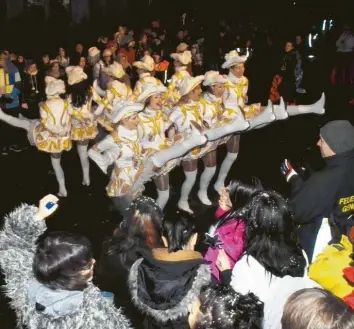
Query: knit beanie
{"points": [[339, 135]]}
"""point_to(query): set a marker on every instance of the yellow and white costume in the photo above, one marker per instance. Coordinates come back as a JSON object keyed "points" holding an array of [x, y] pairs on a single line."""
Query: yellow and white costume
{"points": [[83, 123], [148, 65], [123, 149], [116, 92], [52, 132], [173, 94]]}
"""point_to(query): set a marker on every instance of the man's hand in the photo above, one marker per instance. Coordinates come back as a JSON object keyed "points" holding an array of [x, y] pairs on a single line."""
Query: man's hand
{"points": [[287, 170], [24, 106], [223, 262], [47, 206]]}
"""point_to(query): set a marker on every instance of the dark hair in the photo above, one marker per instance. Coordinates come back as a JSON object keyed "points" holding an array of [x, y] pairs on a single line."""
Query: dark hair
{"points": [[224, 308], [60, 259], [270, 235], [178, 230], [79, 93], [240, 194], [316, 309], [141, 230]]}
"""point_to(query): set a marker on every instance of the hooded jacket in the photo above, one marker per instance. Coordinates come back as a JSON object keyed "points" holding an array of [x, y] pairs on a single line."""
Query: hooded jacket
{"points": [[164, 284], [328, 193], [37, 306]]}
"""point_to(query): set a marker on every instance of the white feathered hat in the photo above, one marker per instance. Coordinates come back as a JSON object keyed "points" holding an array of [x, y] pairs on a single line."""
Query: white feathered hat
{"points": [[146, 63], [114, 70], [213, 77], [182, 47], [185, 58], [189, 83], [125, 109], [75, 74], [233, 58], [54, 86], [150, 90]]}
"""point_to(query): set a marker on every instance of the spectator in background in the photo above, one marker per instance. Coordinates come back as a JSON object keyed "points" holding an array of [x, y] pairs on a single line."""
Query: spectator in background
{"points": [[32, 91], [44, 66], [345, 45], [56, 71], [78, 53], [316, 309], [10, 89], [63, 60], [141, 47]]}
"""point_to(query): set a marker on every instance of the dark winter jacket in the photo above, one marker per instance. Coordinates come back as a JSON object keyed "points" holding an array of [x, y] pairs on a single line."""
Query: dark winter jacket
{"points": [[165, 284], [326, 194]]}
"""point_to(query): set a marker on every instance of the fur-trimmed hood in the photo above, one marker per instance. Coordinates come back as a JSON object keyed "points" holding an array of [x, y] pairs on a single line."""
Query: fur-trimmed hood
{"points": [[176, 278]]}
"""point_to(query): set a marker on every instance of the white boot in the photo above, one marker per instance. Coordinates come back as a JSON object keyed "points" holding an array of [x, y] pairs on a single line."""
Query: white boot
{"points": [[316, 108], [263, 119], [205, 179], [162, 198], [280, 110], [85, 164], [178, 150], [15, 122], [186, 190], [59, 174], [224, 170], [231, 128]]}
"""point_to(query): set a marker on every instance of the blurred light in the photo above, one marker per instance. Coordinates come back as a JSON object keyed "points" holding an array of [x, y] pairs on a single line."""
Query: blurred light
{"points": [[294, 3], [315, 37], [324, 25], [311, 56], [247, 52], [238, 50], [310, 40], [330, 23]]}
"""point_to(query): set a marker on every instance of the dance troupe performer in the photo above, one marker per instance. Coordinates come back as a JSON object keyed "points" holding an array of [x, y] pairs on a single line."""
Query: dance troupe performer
{"points": [[117, 91], [62, 121], [235, 99], [144, 68], [124, 149]]}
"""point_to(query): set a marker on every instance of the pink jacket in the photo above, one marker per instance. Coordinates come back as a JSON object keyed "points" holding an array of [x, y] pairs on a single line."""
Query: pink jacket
{"points": [[231, 235]]}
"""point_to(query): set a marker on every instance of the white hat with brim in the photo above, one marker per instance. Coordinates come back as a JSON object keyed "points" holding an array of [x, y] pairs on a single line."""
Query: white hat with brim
{"points": [[125, 110], [233, 58], [54, 86], [213, 78], [149, 91], [75, 74], [147, 63], [182, 47], [93, 52], [185, 58], [189, 83], [114, 70]]}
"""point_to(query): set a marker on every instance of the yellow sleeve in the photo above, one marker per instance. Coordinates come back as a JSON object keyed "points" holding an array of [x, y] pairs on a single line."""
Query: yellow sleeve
{"points": [[327, 271]]}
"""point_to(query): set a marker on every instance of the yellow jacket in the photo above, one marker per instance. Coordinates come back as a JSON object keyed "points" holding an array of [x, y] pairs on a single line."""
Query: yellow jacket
{"points": [[327, 270]]}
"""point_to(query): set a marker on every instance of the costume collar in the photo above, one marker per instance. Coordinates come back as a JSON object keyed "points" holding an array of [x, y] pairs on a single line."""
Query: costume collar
{"points": [[162, 254], [125, 133], [181, 68], [212, 98], [234, 79], [144, 75]]}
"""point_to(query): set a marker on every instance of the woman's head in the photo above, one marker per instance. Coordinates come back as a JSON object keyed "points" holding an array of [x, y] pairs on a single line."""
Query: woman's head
{"points": [[45, 59], [63, 261], [270, 235], [289, 46], [130, 122], [238, 70], [32, 68], [177, 64], [79, 93], [238, 194], [61, 52], [154, 102], [316, 309], [179, 232], [55, 67], [123, 59], [217, 89], [79, 48], [143, 38], [196, 93], [82, 62], [220, 307]]}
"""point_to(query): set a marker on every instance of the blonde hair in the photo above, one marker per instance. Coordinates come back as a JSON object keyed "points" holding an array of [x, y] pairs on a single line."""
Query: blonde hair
{"points": [[316, 309]]}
